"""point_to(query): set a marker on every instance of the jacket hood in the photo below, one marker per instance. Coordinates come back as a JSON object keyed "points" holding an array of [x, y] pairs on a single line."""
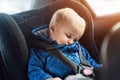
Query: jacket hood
{"points": [[43, 33]]}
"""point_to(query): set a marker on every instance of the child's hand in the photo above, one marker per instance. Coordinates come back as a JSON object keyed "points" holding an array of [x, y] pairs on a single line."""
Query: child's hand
{"points": [[57, 78]]}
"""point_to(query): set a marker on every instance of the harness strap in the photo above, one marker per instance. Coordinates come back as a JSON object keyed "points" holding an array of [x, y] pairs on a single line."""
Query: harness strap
{"points": [[58, 54], [82, 59]]}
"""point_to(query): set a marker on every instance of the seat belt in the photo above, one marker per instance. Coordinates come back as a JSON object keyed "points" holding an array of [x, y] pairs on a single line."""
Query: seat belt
{"points": [[55, 52], [58, 54]]}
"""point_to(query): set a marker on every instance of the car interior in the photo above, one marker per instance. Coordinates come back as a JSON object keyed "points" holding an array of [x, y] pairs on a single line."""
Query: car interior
{"points": [[110, 53], [16, 38]]}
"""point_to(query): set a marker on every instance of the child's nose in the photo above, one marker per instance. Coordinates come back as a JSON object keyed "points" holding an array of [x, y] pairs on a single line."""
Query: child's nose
{"points": [[70, 41]]}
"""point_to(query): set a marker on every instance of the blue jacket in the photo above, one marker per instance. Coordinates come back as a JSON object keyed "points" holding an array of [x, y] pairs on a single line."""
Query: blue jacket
{"points": [[42, 65]]}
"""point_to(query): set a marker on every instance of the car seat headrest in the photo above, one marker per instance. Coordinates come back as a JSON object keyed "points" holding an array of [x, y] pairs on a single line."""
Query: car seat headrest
{"points": [[111, 44], [110, 52]]}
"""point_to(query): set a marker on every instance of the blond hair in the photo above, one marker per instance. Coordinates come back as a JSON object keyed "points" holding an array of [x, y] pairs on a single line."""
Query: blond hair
{"points": [[66, 14]]}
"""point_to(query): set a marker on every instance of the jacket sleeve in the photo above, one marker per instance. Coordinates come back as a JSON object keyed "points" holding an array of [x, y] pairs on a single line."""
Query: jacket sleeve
{"points": [[36, 66], [89, 58]]}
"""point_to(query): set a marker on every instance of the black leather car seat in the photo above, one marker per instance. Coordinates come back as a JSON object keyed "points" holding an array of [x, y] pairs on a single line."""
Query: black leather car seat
{"points": [[16, 38], [110, 52], [13, 49]]}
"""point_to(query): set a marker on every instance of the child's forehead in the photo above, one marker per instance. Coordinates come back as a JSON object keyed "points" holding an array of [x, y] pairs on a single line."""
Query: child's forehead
{"points": [[71, 28]]}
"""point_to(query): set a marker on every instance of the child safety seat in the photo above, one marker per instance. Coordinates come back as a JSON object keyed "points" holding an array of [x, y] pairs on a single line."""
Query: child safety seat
{"points": [[16, 37]]}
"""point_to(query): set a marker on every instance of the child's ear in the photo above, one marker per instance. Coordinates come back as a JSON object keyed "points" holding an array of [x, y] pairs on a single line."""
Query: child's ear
{"points": [[52, 28]]}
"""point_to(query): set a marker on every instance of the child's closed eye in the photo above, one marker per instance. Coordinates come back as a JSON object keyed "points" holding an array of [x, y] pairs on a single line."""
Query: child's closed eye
{"points": [[69, 36]]}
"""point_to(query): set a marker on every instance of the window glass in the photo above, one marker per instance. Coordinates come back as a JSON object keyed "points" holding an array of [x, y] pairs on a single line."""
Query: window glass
{"points": [[14, 6], [104, 7]]}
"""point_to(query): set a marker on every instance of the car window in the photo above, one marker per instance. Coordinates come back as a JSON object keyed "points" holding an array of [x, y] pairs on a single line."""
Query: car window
{"points": [[104, 7], [14, 6]]}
